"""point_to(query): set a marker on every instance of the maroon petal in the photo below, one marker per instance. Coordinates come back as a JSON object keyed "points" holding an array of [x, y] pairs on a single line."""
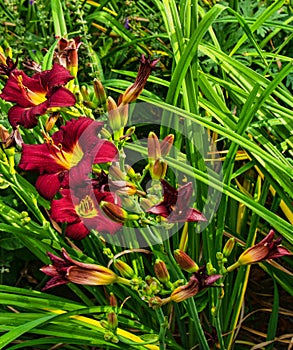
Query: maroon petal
{"points": [[278, 252], [82, 130], [49, 270], [12, 92], [63, 210], [55, 281], [102, 224], [39, 158], [48, 185], [268, 238], [195, 215], [160, 209], [56, 76], [184, 195], [170, 193], [104, 152], [77, 230], [211, 280], [26, 116], [61, 97]]}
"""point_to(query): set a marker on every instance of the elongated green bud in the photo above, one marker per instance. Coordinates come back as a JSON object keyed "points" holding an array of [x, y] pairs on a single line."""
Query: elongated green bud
{"points": [[185, 262], [124, 269], [161, 271], [229, 247]]}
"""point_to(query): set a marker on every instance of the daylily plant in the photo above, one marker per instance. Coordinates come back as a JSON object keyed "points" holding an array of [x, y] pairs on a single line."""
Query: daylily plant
{"points": [[174, 206], [74, 148], [35, 96]]}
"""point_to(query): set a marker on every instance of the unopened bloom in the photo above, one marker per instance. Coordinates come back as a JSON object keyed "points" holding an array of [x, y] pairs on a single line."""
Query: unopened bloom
{"points": [[37, 95], [74, 148], [65, 269], [80, 209], [264, 250], [116, 213], [161, 271], [174, 206], [124, 269], [227, 250], [144, 71], [185, 262]]}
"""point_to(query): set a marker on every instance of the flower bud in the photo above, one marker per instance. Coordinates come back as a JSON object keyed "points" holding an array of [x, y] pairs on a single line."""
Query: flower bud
{"points": [[123, 187], [84, 93], [114, 212], [158, 169], [229, 247], [112, 320], [185, 262], [166, 145], [130, 131], [100, 93], [161, 271], [51, 121], [105, 134], [154, 150], [124, 269], [113, 115], [116, 173], [112, 300], [210, 269], [130, 172]]}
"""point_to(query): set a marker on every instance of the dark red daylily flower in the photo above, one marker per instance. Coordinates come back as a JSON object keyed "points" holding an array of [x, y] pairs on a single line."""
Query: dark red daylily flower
{"points": [[266, 249], [67, 156], [36, 95], [64, 270], [80, 209], [174, 206]]}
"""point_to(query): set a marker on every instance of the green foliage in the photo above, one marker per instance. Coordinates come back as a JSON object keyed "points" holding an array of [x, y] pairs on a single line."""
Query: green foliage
{"points": [[225, 68]]}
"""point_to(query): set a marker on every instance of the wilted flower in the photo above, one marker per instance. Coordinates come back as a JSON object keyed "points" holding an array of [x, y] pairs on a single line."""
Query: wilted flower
{"points": [[144, 71], [79, 208], [75, 147], [174, 206], [64, 270], [7, 65], [264, 250], [37, 95], [67, 54]]}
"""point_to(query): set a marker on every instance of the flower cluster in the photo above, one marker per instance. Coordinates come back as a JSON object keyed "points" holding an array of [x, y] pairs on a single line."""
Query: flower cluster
{"points": [[78, 164], [65, 270]]}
